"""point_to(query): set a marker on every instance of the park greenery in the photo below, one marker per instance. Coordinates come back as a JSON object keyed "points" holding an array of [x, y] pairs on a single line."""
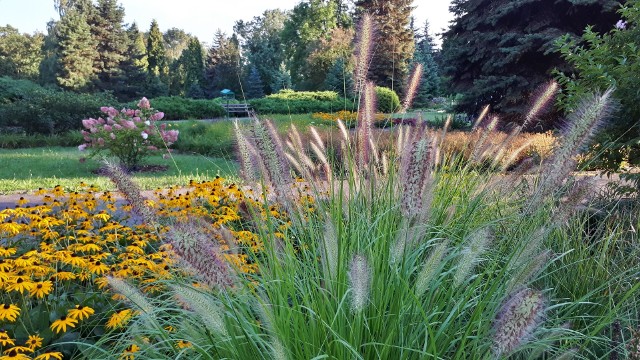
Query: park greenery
{"points": [[383, 199]]}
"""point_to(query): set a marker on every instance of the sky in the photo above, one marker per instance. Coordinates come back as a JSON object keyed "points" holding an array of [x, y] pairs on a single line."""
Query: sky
{"points": [[198, 17]]}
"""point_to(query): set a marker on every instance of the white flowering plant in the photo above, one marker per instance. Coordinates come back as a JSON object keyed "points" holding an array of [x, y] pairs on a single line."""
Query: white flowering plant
{"points": [[130, 135]]}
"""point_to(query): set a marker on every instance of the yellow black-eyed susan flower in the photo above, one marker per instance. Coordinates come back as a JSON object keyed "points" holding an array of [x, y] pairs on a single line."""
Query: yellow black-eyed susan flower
{"points": [[61, 324], [5, 339], [34, 342], [50, 355], [119, 319], [41, 289], [9, 312], [80, 312]]}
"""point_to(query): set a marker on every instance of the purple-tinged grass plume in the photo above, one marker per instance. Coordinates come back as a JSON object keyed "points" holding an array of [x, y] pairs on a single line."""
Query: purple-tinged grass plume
{"points": [[364, 49], [359, 282], [415, 172], [200, 253], [412, 88], [541, 102], [517, 320], [249, 167], [131, 191], [366, 117], [589, 117]]}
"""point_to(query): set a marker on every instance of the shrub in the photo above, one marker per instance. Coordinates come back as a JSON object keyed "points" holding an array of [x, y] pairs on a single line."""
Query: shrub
{"points": [[600, 61], [301, 102], [46, 111], [129, 135], [179, 108], [21, 140], [388, 100]]}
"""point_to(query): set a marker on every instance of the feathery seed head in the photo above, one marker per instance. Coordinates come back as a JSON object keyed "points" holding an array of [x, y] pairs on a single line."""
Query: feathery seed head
{"points": [[517, 319], [330, 251], [131, 293], [363, 52], [366, 117], [412, 88], [359, 282], [476, 246], [541, 102], [199, 253], [430, 268], [130, 190], [203, 306]]}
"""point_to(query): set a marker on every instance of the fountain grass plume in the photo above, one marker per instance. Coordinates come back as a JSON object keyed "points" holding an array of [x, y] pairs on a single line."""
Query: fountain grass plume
{"points": [[249, 168], [478, 148], [517, 320], [330, 249], [274, 161], [476, 246], [412, 88], [415, 172], [366, 117], [203, 306], [481, 117], [430, 268], [131, 293], [589, 117], [363, 51], [130, 190], [541, 102], [359, 282], [200, 253]]}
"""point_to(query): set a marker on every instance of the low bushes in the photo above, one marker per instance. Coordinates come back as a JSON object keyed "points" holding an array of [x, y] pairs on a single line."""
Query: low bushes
{"points": [[39, 110], [388, 101], [204, 138], [178, 108], [22, 140]]}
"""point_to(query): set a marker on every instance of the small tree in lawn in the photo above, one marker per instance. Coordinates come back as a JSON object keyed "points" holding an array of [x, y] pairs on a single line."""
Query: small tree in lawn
{"points": [[129, 135]]}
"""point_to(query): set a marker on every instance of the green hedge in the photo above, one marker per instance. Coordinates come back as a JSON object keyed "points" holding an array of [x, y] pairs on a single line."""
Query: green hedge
{"points": [[39, 110], [22, 141], [304, 102], [178, 108]]}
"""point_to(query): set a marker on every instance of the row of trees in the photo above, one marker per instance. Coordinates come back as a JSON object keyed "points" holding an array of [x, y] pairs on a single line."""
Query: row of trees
{"points": [[91, 49]]}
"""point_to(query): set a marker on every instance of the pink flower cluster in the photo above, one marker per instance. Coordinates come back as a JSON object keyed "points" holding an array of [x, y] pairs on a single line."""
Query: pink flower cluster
{"points": [[132, 133]]}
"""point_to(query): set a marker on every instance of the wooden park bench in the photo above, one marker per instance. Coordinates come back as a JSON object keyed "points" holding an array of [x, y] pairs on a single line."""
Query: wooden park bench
{"points": [[237, 108]]}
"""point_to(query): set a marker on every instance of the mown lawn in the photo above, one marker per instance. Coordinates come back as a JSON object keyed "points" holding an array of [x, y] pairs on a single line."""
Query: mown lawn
{"points": [[24, 170]]}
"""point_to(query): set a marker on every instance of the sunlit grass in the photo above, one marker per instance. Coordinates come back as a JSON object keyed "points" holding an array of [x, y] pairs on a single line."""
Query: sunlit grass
{"points": [[25, 170]]}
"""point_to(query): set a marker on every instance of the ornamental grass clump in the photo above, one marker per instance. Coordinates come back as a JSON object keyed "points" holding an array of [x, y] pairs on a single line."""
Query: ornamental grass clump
{"points": [[130, 135], [391, 252]]}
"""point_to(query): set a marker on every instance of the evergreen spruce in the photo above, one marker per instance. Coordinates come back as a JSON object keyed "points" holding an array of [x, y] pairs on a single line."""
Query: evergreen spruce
{"points": [[430, 81], [340, 79], [498, 52], [254, 87], [155, 51], [394, 44], [106, 24], [76, 51], [223, 65], [157, 69], [134, 66]]}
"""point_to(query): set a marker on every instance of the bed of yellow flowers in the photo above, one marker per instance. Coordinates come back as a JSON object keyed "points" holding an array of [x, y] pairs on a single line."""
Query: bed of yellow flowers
{"points": [[344, 115], [55, 256]]}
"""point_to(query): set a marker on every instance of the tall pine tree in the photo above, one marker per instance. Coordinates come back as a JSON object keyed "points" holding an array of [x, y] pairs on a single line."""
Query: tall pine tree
{"points": [[107, 29], [497, 52], [394, 44], [76, 51], [134, 66], [430, 81], [158, 68], [223, 65]]}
